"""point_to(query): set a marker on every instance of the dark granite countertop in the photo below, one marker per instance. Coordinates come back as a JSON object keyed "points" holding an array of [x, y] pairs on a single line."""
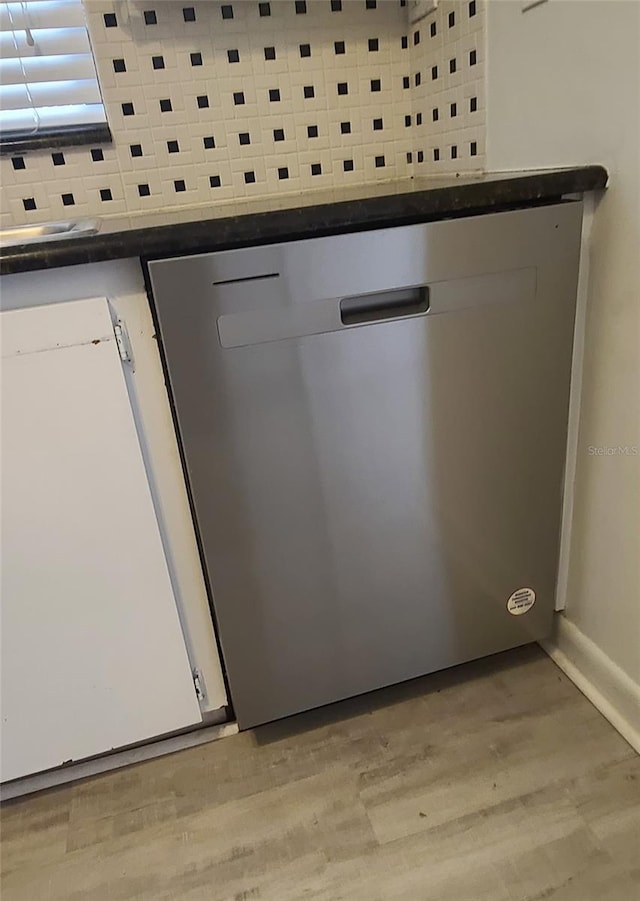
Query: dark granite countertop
{"points": [[250, 222]]}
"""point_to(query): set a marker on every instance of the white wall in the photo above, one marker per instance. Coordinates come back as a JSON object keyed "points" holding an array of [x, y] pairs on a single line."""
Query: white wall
{"points": [[563, 89]]}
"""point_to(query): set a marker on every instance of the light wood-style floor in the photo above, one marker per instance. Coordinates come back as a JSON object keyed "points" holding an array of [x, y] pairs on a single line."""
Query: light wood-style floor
{"points": [[497, 781]]}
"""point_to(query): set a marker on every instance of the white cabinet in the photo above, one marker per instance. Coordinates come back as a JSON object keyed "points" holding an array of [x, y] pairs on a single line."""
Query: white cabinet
{"points": [[93, 655]]}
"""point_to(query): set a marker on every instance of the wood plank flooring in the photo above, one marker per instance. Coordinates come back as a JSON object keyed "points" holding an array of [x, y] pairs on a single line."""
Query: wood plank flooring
{"points": [[496, 781]]}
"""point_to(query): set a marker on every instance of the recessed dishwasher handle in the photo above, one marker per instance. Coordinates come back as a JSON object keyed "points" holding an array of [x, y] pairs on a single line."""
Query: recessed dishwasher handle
{"points": [[384, 305]]}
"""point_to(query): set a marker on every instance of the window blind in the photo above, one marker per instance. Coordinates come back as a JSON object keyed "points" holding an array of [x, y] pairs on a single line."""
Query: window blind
{"points": [[47, 73]]}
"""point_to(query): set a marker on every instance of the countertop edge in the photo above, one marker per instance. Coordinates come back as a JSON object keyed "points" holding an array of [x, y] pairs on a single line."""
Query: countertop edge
{"points": [[315, 220]]}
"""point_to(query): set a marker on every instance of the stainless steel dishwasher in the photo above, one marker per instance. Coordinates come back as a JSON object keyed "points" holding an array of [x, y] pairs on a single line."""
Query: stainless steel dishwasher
{"points": [[374, 429]]}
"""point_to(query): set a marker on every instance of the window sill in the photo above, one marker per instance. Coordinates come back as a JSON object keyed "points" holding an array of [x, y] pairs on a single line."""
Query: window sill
{"points": [[54, 138]]}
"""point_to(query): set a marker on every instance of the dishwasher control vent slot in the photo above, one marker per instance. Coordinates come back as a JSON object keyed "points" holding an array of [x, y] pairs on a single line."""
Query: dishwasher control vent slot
{"points": [[247, 278], [384, 305]]}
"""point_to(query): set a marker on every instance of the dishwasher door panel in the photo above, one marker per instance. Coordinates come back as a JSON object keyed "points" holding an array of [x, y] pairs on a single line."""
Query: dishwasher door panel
{"points": [[369, 496]]}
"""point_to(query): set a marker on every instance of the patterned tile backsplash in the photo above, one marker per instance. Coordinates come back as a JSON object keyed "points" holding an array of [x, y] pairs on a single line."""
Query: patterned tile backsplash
{"points": [[209, 102]]}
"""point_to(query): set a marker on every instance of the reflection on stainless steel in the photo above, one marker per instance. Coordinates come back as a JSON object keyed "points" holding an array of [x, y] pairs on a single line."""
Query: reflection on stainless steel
{"points": [[47, 231], [374, 432]]}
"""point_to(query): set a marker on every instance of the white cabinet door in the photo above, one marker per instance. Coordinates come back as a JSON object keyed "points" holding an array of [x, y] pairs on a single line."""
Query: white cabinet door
{"points": [[93, 657]]}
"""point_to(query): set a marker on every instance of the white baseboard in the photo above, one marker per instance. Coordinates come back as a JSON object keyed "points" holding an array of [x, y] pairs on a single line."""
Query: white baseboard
{"points": [[609, 688]]}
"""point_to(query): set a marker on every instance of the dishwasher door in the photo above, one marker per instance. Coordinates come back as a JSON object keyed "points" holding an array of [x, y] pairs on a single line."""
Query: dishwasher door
{"points": [[374, 429]]}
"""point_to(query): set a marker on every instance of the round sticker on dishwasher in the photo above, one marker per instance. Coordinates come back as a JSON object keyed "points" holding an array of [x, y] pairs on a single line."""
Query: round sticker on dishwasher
{"points": [[521, 601]]}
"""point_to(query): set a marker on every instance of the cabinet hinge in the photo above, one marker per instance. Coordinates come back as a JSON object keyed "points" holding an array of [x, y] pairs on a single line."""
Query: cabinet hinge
{"points": [[198, 683], [122, 341]]}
